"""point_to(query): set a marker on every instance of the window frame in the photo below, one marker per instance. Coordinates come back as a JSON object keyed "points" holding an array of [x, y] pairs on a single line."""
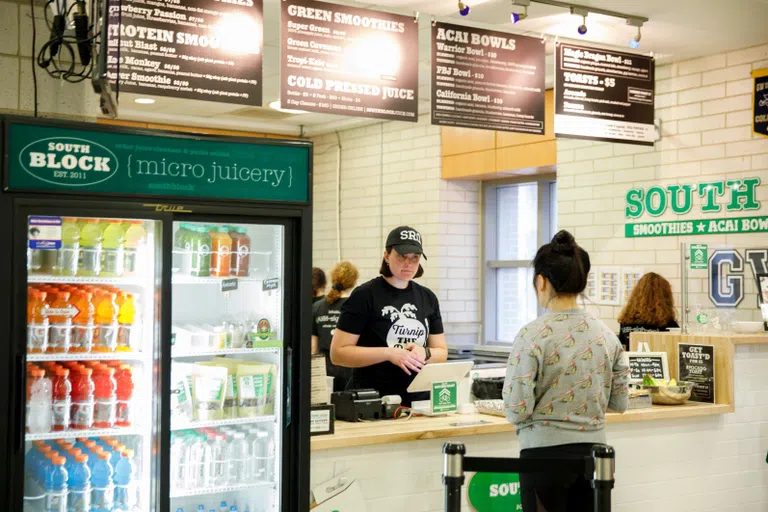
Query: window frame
{"points": [[546, 201]]}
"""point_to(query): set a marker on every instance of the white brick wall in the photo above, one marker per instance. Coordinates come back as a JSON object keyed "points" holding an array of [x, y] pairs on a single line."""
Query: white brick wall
{"points": [[390, 175], [705, 108], [55, 97], [710, 464]]}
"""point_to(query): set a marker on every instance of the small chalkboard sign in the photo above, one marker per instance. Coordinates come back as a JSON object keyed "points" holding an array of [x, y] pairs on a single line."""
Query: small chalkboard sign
{"points": [[272, 283], [654, 364], [229, 285], [697, 365]]}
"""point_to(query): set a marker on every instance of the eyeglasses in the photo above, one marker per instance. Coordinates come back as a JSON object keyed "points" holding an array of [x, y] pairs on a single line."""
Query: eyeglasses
{"points": [[408, 258]]}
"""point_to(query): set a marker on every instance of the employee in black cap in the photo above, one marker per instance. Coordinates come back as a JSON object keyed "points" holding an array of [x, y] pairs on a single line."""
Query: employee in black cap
{"points": [[390, 327]]}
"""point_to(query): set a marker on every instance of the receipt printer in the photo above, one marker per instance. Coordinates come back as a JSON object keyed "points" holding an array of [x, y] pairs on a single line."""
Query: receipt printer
{"points": [[357, 404]]}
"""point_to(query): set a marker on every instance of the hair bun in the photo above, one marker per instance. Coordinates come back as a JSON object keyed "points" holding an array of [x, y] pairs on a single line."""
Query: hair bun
{"points": [[563, 242]]}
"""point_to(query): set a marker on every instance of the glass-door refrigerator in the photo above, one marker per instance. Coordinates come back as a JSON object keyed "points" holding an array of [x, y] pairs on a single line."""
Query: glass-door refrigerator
{"points": [[153, 324]]}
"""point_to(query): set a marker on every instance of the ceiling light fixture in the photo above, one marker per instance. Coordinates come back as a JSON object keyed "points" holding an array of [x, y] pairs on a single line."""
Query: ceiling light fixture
{"points": [[144, 101], [514, 17], [635, 41], [463, 9], [275, 105], [578, 11]]}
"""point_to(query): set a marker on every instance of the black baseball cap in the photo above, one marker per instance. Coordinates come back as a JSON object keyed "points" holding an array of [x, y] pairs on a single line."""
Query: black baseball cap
{"points": [[405, 240]]}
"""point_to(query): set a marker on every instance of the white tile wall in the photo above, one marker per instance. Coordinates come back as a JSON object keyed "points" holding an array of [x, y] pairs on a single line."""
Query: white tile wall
{"points": [[709, 102], [390, 175], [55, 97], [710, 464]]}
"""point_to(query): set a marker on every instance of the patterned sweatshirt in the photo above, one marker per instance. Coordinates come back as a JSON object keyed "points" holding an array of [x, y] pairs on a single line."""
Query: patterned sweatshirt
{"points": [[564, 370]]}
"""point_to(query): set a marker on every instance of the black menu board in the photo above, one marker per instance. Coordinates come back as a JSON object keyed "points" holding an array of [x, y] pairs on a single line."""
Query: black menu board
{"points": [[487, 79], [604, 95], [697, 365], [197, 49], [337, 59], [648, 363]]}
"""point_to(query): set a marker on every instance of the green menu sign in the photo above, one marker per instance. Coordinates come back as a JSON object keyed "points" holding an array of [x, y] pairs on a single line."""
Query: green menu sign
{"points": [[494, 492], [699, 256], [47, 157]]}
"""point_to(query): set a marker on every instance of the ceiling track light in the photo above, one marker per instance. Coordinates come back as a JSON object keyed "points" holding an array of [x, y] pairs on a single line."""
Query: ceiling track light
{"points": [[580, 11], [514, 17], [583, 11], [463, 9], [635, 22]]}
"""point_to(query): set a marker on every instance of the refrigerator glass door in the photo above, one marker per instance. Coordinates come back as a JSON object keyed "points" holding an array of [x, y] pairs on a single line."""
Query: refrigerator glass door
{"points": [[92, 347], [226, 371]]}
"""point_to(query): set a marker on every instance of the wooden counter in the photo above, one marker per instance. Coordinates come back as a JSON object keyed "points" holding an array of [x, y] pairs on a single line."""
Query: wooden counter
{"points": [[458, 425]]}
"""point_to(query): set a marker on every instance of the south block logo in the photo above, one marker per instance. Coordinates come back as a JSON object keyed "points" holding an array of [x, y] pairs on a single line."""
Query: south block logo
{"points": [[444, 397], [68, 161]]}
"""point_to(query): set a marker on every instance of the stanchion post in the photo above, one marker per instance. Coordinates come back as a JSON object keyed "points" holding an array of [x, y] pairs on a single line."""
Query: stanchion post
{"points": [[453, 475], [602, 481]]}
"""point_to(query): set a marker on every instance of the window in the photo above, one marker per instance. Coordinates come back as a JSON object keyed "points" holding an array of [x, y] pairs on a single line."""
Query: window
{"points": [[519, 218]]}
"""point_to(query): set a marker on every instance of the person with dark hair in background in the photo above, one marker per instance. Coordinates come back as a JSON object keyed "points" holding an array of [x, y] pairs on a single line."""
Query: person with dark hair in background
{"points": [[564, 370], [390, 327], [325, 315], [651, 307], [318, 284]]}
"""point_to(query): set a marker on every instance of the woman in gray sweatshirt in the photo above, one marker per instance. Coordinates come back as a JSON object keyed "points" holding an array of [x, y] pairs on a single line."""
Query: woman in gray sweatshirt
{"points": [[565, 369]]}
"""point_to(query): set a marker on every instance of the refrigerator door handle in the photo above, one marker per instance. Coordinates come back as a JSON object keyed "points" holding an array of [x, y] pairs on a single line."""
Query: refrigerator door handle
{"points": [[288, 385], [20, 428]]}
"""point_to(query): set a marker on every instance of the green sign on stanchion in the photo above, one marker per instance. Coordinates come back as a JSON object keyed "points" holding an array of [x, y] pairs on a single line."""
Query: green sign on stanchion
{"points": [[699, 256], [494, 492]]}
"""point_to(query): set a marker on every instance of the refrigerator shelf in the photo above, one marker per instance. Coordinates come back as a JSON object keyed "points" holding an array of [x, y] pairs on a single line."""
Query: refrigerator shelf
{"points": [[88, 356], [73, 434], [179, 354], [184, 279], [217, 490], [117, 281], [222, 423]]}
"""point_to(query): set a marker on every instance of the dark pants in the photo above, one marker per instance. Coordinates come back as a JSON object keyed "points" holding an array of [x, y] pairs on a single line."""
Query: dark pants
{"points": [[557, 492]]}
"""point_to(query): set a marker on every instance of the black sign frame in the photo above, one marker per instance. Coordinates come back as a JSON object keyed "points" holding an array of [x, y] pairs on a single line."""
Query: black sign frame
{"points": [[345, 60], [469, 88], [611, 95], [638, 369], [760, 102]]}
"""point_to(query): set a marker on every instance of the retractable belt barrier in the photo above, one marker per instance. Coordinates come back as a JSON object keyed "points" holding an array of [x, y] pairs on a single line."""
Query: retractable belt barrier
{"points": [[598, 469]]}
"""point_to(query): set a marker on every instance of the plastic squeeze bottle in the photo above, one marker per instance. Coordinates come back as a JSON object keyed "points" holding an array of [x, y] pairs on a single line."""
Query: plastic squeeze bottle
{"points": [[106, 319], [83, 325], [37, 322], [125, 318], [135, 240], [113, 249], [68, 256], [90, 248]]}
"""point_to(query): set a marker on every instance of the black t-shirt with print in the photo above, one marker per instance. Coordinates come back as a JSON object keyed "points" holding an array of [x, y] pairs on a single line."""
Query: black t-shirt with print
{"points": [[385, 316], [626, 330], [324, 319]]}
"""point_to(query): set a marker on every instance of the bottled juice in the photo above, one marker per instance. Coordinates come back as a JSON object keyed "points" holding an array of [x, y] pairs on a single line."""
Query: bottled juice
{"points": [[200, 242], [106, 319], [135, 240], [62, 403], [68, 256], [60, 315], [125, 318], [241, 251], [37, 322], [113, 249], [82, 400], [105, 393], [179, 251], [90, 248], [83, 328], [221, 251], [124, 379]]}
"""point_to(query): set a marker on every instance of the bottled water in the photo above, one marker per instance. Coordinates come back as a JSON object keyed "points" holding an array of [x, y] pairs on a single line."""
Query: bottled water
{"points": [[259, 455], [236, 460], [178, 462], [199, 462], [223, 507], [39, 402], [218, 471]]}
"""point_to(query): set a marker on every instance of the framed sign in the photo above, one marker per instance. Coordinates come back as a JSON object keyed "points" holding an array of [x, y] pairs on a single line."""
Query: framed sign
{"points": [[604, 95], [654, 364], [760, 102], [762, 281], [697, 365], [487, 79]]}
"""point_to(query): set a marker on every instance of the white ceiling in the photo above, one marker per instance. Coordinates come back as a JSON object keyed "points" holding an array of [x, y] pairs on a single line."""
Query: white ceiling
{"points": [[677, 30]]}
